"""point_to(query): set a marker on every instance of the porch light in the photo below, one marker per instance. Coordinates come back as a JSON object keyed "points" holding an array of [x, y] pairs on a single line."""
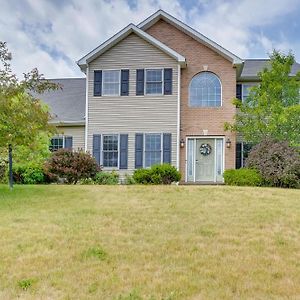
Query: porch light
{"points": [[228, 143], [182, 143]]}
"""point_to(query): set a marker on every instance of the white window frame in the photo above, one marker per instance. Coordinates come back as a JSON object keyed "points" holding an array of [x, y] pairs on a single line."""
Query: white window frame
{"points": [[144, 150], [59, 137], [102, 156], [162, 82], [249, 84], [119, 91], [205, 107]]}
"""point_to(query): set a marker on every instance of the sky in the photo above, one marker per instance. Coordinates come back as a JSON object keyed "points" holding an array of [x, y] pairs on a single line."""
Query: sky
{"points": [[53, 34]]}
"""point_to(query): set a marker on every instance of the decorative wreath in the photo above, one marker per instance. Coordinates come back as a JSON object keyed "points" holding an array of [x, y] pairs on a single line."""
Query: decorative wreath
{"points": [[205, 149]]}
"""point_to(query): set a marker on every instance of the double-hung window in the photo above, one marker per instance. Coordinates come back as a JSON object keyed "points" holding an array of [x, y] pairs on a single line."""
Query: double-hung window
{"points": [[154, 81], [110, 150], [153, 149], [56, 143], [111, 83], [246, 90]]}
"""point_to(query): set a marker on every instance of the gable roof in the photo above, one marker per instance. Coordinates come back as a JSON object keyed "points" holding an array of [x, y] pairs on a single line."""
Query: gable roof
{"points": [[131, 28], [67, 104], [252, 67], [160, 14]]}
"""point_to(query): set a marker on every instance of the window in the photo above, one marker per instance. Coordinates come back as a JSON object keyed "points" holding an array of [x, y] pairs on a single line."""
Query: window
{"points": [[111, 83], [205, 90], [153, 149], [246, 90], [242, 152], [56, 143], [110, 150], [154, 81]]}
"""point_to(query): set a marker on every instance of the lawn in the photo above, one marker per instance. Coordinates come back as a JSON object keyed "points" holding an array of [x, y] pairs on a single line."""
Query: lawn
{"points": [[153, 242]]}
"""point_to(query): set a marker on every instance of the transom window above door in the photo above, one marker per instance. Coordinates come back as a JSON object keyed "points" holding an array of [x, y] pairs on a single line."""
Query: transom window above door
{"points": [[154, 81], [111, 83], [205, 90]]}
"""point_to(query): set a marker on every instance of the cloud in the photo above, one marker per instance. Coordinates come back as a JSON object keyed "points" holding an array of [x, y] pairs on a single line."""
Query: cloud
{"points": [[52, 35]]}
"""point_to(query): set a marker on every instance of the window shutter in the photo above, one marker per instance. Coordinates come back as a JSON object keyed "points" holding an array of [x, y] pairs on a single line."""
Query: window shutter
{"points": [[168, 81], [139, 148], [140, 82], [238, 156], [167, 148], [69, 142], [97, 147], [124, 82], [123, 151], [239, 91], [97, 83]]}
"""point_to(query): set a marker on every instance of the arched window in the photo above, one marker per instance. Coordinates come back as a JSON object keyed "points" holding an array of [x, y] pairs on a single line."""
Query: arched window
{"points": [[205, 90]]}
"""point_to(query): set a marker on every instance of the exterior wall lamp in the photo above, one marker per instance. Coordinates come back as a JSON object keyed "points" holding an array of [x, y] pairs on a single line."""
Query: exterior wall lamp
{"points": [[228, 143], [182, 143]]}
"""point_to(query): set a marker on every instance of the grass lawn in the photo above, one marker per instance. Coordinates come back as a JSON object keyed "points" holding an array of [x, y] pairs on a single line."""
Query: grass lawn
{"points": [[153, 242]]}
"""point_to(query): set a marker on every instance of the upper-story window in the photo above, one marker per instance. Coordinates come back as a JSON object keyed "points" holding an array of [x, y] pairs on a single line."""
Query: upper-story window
{"points": [[205, 90], [111, 83], [246, 88], [154, 81]]}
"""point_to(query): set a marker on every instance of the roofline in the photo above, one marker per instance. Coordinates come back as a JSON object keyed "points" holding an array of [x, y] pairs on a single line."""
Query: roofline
{"points": [[131, 28], [67, 123], [190, 31]]}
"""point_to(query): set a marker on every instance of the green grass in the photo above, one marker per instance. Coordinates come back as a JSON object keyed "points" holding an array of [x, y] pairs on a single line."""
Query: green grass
{"points": [[153, 242]]}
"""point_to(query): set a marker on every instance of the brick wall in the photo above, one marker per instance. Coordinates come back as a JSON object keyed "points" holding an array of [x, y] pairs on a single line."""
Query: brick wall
{"points": [[195, 120]]}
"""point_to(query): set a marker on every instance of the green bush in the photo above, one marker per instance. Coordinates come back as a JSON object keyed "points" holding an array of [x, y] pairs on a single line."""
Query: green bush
{"points": [[157, 174], [243, 177], [109, 178], [28, 174], [129, 180]]}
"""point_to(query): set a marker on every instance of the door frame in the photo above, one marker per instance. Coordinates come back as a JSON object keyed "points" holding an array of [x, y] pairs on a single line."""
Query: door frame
{"points": [[194, 137]]}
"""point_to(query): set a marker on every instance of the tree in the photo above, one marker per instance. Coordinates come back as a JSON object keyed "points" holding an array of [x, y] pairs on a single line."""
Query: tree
{"points": [[23, 116], [272, 109]]}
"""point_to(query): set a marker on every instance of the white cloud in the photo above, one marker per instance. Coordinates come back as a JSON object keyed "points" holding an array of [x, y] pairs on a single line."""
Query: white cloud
{"points": [[52, 35]]}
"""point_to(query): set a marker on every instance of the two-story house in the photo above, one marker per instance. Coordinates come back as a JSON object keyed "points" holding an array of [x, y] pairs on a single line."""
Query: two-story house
{"points": [[158, 92]]}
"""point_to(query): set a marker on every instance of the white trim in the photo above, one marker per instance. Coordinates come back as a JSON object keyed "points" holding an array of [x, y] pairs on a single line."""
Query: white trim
{"points": [[161, 147], [194, 161], [102, 84], [160, 14], [86, 109], [178, 118], [131, 28]]}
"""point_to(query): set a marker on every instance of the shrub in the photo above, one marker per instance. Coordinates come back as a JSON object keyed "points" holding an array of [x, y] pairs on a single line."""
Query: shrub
{"points": [[157, 174], [107, 178], [28, 174], [71, 166], [129, 180], [277, 162], [2, 170], [242, 177]]}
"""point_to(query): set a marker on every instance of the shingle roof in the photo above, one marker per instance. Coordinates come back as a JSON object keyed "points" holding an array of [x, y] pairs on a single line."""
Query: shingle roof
{"points": [[67, 105], [252, 67]]}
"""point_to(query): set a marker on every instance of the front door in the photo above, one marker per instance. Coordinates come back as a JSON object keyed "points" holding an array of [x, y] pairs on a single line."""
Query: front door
{"points": [[205, 159]]}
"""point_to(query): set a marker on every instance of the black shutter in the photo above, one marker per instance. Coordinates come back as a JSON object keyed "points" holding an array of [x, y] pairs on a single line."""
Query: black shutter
{"points": [[238, 156], [140, 82], [97, 147], [123, 151], [167, 81], [69, 142], [97, 83], [167, 148], [239, 91], [139, 148], [124, 82]]}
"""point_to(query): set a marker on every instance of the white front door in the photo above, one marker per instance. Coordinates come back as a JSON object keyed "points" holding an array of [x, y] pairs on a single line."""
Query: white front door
{"points": [[205, 159]]}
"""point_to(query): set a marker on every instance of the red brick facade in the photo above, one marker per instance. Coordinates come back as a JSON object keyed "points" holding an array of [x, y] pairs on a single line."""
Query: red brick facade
{"points": [[198, 58]]}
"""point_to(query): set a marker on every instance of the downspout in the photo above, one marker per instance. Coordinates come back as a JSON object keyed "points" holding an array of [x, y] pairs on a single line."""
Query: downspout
{"points": [[178, 118], [86, 108]]}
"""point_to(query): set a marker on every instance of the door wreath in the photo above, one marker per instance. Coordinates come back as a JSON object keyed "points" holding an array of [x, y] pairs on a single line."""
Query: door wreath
{"points": [[205, 149]]}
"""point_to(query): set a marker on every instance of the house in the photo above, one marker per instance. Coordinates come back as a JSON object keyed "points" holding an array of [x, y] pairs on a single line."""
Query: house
{"points": [[156, 92]]}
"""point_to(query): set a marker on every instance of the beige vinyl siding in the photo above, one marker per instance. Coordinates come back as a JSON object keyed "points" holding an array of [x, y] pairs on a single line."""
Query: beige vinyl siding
{"points": [[133, 114], [77, 132]]}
